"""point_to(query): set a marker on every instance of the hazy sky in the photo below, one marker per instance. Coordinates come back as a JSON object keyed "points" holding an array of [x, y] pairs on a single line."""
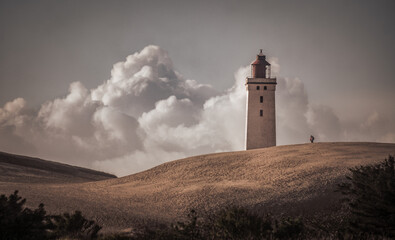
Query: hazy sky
{"points": [[338, 55]]}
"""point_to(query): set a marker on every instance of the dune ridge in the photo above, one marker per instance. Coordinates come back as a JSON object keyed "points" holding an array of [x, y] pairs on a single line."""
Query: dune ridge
{"points": [[17, 168]]}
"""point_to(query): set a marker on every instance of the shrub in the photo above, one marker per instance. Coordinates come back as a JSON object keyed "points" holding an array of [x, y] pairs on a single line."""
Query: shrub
{"points": [[370, 195], [191, 229], [239, 223], [229, 223], [75, 226], [289, 228], [18, 222]]}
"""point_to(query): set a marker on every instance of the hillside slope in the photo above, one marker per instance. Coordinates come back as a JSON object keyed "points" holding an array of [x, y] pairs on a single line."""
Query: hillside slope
{"points": [[294, 179], [23, 169]]}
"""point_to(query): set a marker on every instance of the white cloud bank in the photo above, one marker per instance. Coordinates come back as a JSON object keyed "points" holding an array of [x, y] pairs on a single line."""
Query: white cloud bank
{"points": [[147, 113]]}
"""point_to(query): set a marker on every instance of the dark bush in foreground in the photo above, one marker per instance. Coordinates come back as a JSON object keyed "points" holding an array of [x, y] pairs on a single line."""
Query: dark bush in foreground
{"points": [[18, 222], [230, 223], [289, 228], [370, 195], [239, 223], [74, 226]]}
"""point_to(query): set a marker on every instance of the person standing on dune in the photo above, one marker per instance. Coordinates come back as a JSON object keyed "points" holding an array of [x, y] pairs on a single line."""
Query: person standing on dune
{"points": [[311, 138]]}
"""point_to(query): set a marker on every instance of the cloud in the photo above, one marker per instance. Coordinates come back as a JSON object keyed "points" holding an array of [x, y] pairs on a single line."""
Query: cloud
{"points": [[147, 113], [12, 120], [145, 78], [292, 107]]}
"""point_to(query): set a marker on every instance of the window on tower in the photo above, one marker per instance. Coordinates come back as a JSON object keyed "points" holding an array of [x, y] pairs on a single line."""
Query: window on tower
{"points": [[264, 88], [257, 87], [261, 99], [261, 112]]}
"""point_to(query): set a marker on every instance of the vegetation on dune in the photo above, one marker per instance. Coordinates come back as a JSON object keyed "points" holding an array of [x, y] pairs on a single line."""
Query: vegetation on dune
{"points": [[370, 197], [75, 225], [229, 223], [239, 223], [19, 222]]}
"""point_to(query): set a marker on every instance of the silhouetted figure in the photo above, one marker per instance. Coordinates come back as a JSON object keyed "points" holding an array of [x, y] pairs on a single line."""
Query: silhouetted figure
{"points": [[311, 138]]}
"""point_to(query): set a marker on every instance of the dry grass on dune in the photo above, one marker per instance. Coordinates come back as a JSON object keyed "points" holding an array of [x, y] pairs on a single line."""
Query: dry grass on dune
{"points": [[23, 169], [293, 179]]}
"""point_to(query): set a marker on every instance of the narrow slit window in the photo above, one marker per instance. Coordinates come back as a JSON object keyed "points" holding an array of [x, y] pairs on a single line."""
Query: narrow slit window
{"points": [[264, 88], [261, 112], [261, 99], [257, 87]]}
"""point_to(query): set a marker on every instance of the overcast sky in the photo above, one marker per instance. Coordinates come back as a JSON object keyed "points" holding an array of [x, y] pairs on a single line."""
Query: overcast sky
{"points": [[336, 57]]}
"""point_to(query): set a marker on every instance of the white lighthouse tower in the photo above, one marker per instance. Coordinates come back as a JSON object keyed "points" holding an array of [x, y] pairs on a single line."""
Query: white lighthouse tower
{"points": [[261, 107]]}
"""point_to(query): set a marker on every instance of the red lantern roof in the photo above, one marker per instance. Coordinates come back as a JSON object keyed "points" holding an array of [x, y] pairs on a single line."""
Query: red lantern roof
{"points": [[260, 60]]}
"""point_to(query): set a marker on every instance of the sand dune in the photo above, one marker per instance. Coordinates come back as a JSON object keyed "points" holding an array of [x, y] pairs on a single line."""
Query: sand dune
{"points": [[22, 169], [294, 179]]}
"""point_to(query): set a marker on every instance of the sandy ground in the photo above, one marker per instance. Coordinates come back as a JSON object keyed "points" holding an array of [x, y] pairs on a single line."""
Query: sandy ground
{"points": [[23, 169], [294, 179]]}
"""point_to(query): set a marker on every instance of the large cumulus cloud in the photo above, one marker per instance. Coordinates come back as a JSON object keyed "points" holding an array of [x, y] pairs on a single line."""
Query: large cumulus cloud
{"points": [[147, 113]]}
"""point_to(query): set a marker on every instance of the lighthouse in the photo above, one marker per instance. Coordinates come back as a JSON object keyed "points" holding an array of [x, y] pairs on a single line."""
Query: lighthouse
{"points": [[261, 105]]}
